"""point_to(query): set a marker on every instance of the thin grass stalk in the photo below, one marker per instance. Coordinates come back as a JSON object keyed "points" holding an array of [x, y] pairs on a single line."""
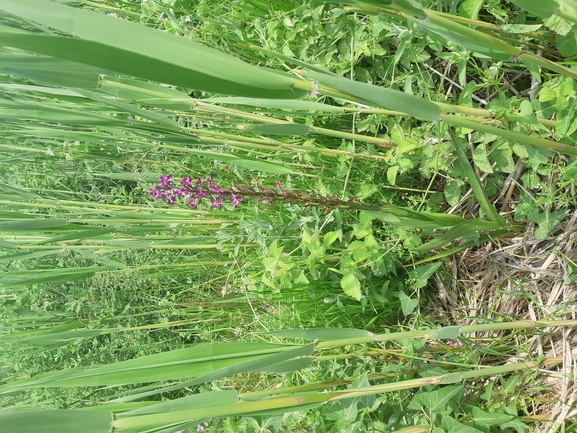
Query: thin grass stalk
{"points": [[516, 136]]}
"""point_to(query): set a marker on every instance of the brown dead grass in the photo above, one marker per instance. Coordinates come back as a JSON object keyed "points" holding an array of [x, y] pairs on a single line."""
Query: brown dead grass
{"points": [[524, 278]]}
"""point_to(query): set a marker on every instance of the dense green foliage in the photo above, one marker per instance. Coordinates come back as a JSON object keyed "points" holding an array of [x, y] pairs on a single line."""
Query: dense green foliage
{"points": [[370, 141]]}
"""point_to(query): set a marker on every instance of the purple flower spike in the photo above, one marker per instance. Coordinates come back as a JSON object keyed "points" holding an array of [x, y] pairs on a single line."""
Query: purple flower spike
{"points": [[165, 180], [235, 200], [186, 181], [192, 202], [216, 202]]}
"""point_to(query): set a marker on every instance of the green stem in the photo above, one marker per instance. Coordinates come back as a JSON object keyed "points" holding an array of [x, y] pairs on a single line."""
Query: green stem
{"points": [[517, 136]]}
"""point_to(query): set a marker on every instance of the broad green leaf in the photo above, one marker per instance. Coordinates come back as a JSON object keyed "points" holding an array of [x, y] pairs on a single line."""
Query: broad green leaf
{"points": [[392, 174], [26, 254], [567, 44], [547, 221], [50, 70], [409, 218], [55, 421], [437, 400], [453, 192], [8, 245], [454, 426], [205, 399], [330, 237], [466, 37], [543, 9], [481, 158], [287, 366], [527, 115], [516, 424], [467, 230], [488, 419], [536, 158], [292, 60], [547, 94], [359, 251], [116, 45], [379, 96], [208, 362], [345, 410], [18, 278], [471, 8], [567, 120], [562, 25], [421, 274], [53, 338]]}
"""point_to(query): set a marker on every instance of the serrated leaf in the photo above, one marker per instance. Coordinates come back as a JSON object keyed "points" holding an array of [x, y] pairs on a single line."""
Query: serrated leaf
{"points": [[453, 192], [407, 145], [367, 190], [481, 159], [397, 134], [503, 156], [330, 237], [351, 285], [566, 121], [535, 158], [359, 251], [558, 24], [547, 94], [392, 174], [567, 44], [520, 150]]}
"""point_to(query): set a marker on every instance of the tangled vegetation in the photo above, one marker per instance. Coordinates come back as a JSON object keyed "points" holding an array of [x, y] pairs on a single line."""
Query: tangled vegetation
{"points": [[272, 216]]}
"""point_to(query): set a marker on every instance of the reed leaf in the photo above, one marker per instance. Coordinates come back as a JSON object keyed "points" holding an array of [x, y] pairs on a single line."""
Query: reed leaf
{"points": [[55, 421], [116, 45]]}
